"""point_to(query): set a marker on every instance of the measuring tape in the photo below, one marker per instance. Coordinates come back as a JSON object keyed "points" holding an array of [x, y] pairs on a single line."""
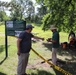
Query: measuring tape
{"points": [[54, 66]]}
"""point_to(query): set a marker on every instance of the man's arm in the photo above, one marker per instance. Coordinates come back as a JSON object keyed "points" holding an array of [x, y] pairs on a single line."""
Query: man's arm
{"points": [[53, 41], [36, 37], [18, 46]]}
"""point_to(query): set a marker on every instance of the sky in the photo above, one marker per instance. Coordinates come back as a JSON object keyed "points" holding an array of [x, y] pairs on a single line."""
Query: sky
{"points": [[10, 0], [6, 0], [8, 13]]}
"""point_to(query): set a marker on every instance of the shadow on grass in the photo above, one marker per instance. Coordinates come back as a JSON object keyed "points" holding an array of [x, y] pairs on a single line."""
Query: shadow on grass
{"points": [[2, 47], [65, 52], [41, 72], [70, 67], [48, 45], [2, 73]]}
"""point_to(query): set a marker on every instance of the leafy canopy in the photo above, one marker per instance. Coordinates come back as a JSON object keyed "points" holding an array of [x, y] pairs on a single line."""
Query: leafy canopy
{"points": [[62, 13]]}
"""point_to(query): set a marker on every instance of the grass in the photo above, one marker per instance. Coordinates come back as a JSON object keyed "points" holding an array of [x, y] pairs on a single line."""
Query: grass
{"points": [[35, 67], [2, 28], [46, 34]]}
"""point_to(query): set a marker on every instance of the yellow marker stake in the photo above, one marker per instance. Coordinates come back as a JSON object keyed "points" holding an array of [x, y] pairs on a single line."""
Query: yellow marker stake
{"points": [[54, 66]]}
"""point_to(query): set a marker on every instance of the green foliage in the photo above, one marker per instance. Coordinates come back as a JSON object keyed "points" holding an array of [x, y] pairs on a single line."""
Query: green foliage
{"points": [[46, 20], [3, 16], [61, 13], [23, 9], [20, 9], [42, 10]]}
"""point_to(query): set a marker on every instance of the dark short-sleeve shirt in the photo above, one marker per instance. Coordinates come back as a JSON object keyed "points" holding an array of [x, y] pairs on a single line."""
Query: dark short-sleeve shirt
{"points": [[25, 44], [56, 38]]}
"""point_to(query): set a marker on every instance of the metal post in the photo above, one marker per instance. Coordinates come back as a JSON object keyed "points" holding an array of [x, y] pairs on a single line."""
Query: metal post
{"points": [[6, 43]]}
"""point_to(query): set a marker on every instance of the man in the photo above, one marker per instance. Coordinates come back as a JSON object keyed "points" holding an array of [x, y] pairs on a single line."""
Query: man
{"points": [[55, 43], [71, 34], [72, 40], [24, 46]]}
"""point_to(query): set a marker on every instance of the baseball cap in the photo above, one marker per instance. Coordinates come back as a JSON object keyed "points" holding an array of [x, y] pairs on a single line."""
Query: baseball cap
{"points": [[29, 26]]}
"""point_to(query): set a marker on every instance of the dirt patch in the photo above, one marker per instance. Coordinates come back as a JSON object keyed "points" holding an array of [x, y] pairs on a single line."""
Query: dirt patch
{"points": [[39, 65]]}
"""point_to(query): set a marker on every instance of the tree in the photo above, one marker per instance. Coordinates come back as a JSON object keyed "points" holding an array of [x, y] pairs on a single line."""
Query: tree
{"points": [[24, 8], [41, 10], [3, 16], [61, 13], [30, 10]]}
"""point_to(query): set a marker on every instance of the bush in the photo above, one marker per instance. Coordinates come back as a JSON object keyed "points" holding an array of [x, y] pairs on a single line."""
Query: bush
{"points": [[2, 23]]}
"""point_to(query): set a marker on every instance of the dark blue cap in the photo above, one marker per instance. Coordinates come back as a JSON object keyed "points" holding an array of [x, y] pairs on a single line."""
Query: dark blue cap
{"points": [[29, 26]]}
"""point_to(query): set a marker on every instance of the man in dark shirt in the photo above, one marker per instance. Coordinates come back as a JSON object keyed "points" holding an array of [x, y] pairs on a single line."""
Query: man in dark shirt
{"points": [[55, 43], [24, 46]]}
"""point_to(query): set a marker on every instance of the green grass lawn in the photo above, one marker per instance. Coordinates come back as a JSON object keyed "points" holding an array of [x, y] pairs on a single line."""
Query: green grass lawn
{"points": [[2, 28], [35, 67]]}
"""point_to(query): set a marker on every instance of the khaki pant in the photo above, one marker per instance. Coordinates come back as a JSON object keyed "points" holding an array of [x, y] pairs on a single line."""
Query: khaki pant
{"points": [[22, 63], [54, 55]]}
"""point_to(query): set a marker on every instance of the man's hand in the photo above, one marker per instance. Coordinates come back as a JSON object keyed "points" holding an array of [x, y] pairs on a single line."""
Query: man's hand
{"points": [[36, 37], [49, 39], [18, 53], [42, 39]]}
